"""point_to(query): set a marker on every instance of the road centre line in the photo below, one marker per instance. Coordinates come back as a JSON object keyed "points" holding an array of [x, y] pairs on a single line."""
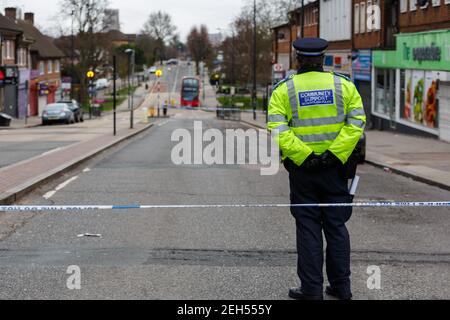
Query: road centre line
{"points": [[50, 194]]}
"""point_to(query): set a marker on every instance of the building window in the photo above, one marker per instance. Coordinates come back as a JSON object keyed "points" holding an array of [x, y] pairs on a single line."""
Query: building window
{"points": [[8, 50], [363, 13], [315, 16], [437, 3], [357, 15], [50, 66], [403, 6], [412, 5], [420, 98], [385, 92], [57, 66], [22, 57], [41, 68]]}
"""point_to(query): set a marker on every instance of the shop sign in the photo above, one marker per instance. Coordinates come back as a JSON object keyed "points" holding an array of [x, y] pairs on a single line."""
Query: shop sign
{"points": [[338, 62], [44, 89], [362, 65], [422, 51], [66, 83]]}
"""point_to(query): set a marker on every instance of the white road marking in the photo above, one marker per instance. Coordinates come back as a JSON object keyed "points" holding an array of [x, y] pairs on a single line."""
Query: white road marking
{"points": [[176, 80], [163, 123], [50, 194], [51, 151], [86, 170]]}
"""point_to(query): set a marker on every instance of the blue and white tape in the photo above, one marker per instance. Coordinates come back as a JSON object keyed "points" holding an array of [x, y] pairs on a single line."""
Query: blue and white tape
{"points": [[224, 206], [216, 109]]}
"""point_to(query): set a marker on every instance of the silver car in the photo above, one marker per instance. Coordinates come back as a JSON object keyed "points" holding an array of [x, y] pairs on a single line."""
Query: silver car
{"points": [[57, 112]]}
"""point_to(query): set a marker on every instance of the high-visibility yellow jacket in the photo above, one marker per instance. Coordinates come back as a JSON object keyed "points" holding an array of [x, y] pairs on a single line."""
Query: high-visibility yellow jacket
{"points": [[314, 112]]}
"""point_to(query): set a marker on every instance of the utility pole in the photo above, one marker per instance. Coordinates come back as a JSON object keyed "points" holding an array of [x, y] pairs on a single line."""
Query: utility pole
{"points": [[115, 93], [131, 62], [254, 95], [73, 40]]}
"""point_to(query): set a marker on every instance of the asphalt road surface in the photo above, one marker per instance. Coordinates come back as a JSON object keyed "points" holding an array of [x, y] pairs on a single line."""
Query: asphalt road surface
{"points": [[211, 253]]}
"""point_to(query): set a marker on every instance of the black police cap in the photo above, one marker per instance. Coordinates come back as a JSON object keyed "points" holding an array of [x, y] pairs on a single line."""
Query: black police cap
{"points": [[312, 47]]}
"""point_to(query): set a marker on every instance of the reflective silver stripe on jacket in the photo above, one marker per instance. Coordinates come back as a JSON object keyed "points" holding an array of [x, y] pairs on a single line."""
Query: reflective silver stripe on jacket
{"points": [[277, 118], [356, 113], [280, 129], [292, 98], [358, 123], [319, 137], [317, 122]]}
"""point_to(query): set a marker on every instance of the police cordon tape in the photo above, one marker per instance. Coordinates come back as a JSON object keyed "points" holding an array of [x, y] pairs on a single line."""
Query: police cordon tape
{"points": [[221, 206], [217, 109]]}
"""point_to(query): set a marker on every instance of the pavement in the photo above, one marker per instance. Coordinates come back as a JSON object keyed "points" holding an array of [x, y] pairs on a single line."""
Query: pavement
{"points": [[423, 159], [213, 253]]}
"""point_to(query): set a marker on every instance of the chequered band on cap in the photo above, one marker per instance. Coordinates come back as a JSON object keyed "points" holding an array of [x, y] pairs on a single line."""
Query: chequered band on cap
{"points": [[310, 54]]}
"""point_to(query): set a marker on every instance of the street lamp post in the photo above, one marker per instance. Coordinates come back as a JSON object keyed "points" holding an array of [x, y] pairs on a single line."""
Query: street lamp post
{"points": [[131, 64]]}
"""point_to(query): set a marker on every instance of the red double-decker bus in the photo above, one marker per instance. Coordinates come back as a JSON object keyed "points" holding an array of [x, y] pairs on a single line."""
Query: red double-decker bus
{"points": [[190, 92]]}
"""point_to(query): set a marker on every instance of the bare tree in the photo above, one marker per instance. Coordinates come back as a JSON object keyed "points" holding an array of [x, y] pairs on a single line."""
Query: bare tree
{"points": [[199, 45], [238, 51], [160, 28], [88, 24]]}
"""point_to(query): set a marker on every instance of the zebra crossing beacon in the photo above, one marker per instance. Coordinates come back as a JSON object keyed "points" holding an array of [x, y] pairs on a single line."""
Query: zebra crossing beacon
{"points": [[318, 118]]}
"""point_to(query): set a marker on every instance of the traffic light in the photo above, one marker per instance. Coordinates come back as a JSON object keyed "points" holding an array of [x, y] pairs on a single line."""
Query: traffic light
{"points": [[2, 76], [90, 74], [91, 89]]}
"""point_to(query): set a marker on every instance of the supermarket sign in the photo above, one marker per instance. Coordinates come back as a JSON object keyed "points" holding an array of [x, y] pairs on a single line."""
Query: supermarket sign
{"points": [[425, 51]]}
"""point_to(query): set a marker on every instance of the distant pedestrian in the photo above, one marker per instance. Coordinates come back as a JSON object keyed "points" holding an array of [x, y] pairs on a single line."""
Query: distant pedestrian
{"points": [[165, 107]]}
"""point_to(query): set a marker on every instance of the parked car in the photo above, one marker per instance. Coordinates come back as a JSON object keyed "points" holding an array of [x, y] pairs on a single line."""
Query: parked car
{"points": [[57, 112], [102, 84], [75, 108], [172, 62], [152, 70]]}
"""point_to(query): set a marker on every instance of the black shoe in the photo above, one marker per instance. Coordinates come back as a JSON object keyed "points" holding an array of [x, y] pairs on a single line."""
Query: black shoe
{"points": [[333, 293], [297, 294]]}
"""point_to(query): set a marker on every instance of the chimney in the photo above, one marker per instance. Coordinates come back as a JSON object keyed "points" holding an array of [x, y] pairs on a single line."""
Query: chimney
{"points": [[29, 16], [11, 13]]}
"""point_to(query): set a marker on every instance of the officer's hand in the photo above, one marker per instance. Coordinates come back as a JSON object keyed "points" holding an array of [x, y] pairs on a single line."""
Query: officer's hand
{"points": [[329, 160], [313, 162]]}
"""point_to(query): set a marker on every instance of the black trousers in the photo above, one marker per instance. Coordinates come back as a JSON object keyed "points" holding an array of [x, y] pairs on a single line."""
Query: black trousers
{"points": [[325, 186]]}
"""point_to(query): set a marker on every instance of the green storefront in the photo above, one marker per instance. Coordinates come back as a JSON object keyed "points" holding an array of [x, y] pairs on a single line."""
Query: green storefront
{"points": [[410, 86]]}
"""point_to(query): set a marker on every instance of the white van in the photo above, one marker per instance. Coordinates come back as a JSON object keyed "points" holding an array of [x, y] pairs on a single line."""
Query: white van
{"points": [[102, 84]]}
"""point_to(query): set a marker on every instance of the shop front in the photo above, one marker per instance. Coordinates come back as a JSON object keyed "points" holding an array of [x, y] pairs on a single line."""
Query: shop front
{"points": [[339, 61], [409, 85], [362, 77]]}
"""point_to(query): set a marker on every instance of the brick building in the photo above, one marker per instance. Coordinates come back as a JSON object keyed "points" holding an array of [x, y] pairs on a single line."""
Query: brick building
{"points": [[281, 48], [285, 34], [10, 34], [45, 79], [411, 82]]}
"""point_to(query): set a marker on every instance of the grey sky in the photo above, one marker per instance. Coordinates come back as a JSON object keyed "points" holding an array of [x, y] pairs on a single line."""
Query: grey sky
{"points": [[133, 13]]}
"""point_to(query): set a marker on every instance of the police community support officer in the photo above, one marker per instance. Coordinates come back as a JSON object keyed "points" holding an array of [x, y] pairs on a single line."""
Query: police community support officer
{"points": [[318, 118]]}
